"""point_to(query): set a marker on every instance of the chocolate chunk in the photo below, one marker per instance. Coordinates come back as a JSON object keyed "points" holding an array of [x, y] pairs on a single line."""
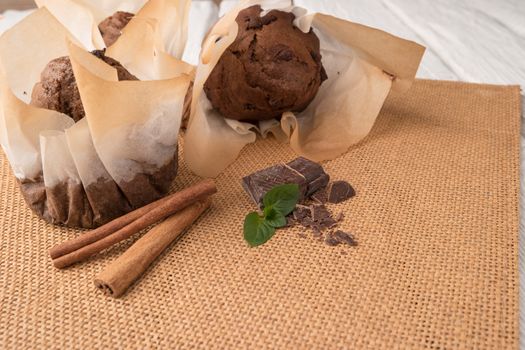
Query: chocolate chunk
{"points": [[340, 191], [309, 175], [257, 184], [345, 237], [313, 172], [318, 183]]}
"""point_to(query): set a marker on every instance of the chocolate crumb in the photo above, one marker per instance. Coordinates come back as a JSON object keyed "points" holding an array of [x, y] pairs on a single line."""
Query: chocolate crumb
{"points": [[340, 191], [301, 212], [345, 237], [319, 212], [322, 217], [331, 241], [317, 233]]}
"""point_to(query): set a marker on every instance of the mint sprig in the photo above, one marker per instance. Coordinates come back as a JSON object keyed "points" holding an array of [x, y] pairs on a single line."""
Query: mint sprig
{"points": [[278, 202]]}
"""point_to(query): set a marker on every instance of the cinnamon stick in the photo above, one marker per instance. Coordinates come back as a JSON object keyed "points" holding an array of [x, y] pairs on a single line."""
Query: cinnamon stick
{"points": [[93, 242], [120, 274]]}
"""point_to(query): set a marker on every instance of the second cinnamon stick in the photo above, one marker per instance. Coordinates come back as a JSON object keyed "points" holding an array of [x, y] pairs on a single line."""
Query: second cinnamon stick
{"points": [[121, 273]]}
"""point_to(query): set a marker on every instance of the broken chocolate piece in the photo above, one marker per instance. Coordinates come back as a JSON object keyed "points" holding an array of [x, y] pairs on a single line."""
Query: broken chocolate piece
{"points": [[345, 237], [301, 212], [309, 175], [319, 212], [315, 176], [318, 183], [336, 192], [317, 233], [322, 216], [321, 196], [331, 241], [340, 191], [257, 184]]}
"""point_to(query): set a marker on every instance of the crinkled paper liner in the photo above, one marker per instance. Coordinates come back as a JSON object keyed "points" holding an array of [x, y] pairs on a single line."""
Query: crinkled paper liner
{"points": [[363, 65], [123, 154]]}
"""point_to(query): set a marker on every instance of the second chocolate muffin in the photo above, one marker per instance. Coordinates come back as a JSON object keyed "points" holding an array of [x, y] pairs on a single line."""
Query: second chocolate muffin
{"points": [[57, 89], [272, 67]]}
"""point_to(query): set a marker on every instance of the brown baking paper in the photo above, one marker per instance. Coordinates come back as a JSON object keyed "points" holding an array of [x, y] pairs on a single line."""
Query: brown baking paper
{"points": [[121, 156], [363, 65]]}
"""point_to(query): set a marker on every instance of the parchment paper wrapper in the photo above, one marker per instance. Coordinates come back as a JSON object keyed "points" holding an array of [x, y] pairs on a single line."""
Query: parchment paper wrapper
{"points": [[81, 18], [122, 155], [363, 65]]}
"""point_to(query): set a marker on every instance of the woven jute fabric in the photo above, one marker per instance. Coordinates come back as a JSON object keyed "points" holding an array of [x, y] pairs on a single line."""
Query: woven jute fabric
{"points": [[436, 218]]}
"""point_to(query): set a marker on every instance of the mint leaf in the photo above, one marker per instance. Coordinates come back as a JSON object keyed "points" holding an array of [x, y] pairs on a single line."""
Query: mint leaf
{"points": [[282, 198], [268, 211], [275, 218], [278, 202], [257, 231]]}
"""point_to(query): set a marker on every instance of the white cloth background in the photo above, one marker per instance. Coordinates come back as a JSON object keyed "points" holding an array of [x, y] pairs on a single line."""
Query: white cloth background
{"points": [[479, 41]]}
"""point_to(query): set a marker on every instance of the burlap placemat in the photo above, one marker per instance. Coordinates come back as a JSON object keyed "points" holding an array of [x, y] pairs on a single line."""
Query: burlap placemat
{"points": [[436, 218]]}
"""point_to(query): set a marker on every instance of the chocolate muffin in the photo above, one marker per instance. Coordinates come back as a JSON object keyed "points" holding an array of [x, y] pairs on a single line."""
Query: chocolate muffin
{"points": [[57, 89], [111, 27], [272, 67]]}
